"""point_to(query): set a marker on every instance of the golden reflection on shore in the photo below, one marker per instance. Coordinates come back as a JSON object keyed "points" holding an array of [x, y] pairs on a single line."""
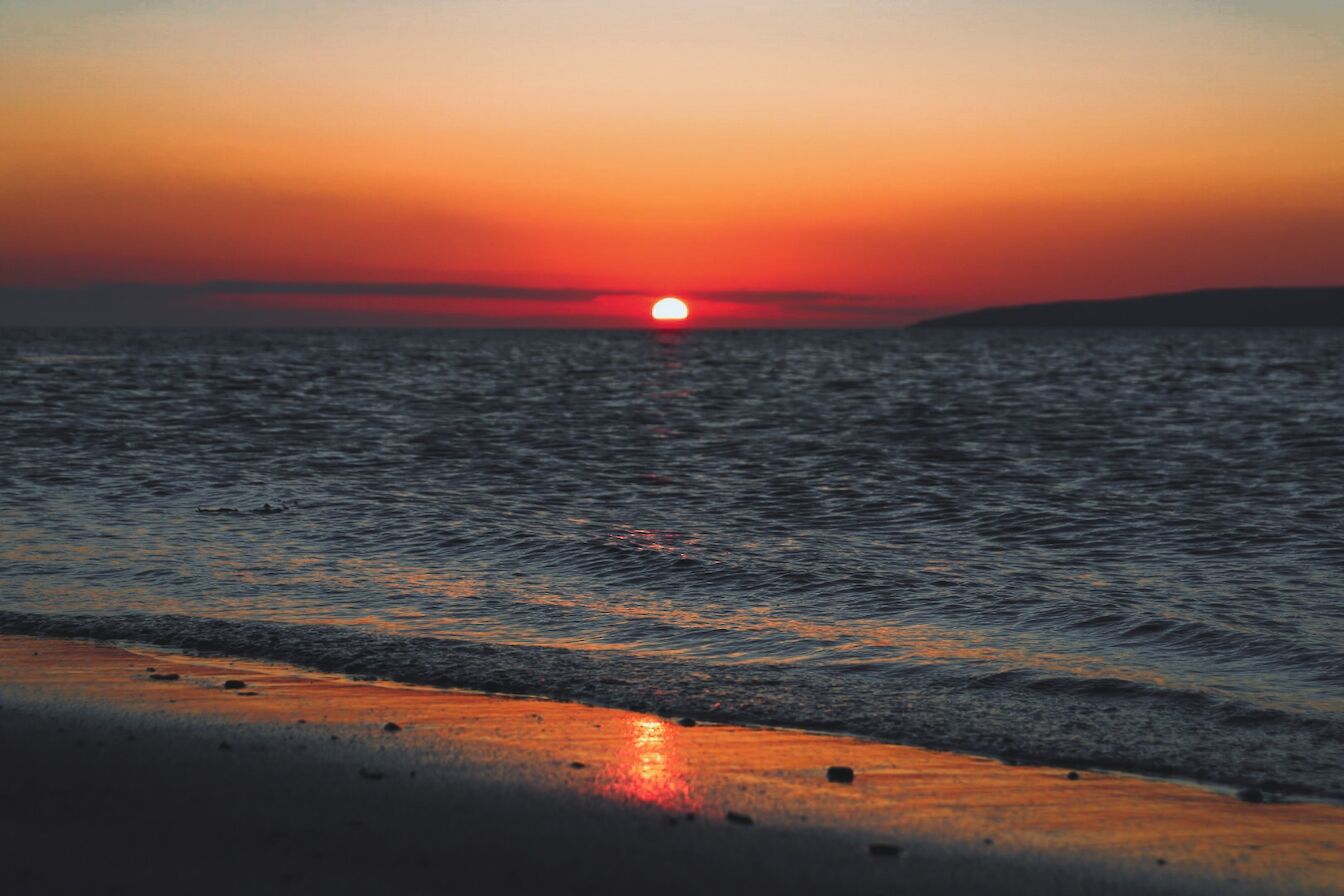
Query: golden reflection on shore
{"points": [[649, 768], [775, 776]]}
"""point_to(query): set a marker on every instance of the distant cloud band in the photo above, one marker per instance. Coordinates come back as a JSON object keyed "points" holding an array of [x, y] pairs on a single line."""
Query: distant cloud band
{"points": [[208, 301]]}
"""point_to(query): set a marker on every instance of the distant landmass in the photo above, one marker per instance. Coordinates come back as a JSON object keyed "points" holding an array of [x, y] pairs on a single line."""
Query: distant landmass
{"points": [[1268, 306]]}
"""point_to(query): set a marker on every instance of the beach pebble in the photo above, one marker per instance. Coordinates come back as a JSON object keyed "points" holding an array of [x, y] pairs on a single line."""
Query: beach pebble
{"points": [[1072, 776], [577, 765], [1251, 795], [234, 684], [738, 818], [369, 774], [165, 676], [840, 774], [687, 722], [391, 726], [883, 849]]}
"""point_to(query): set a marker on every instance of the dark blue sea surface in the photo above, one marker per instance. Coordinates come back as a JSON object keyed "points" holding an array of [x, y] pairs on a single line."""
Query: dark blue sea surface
{"points": [[1114, 548]]}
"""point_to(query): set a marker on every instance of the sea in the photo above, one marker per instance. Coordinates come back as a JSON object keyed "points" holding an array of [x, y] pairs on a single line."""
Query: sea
{"points": [[1118, 549]]}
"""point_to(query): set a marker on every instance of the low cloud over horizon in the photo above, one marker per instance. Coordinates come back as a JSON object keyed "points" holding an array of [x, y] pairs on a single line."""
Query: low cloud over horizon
{"points": [[242, 302]]}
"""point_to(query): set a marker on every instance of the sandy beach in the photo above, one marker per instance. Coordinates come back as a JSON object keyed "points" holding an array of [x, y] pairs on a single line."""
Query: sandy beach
{"points": [[290, 781]]}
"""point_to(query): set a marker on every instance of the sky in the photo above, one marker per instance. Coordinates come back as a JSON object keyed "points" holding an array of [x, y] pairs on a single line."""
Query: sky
{"points": [[567, 162]]}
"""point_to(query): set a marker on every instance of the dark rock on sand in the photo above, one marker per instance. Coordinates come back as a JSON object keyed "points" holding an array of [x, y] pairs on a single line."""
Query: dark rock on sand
{"points": [[738, 818], [840, 774], [1072, 776], [577, 765], [165, 676], [234, 684], [1251, 795], [391, 726], [883, 849]]}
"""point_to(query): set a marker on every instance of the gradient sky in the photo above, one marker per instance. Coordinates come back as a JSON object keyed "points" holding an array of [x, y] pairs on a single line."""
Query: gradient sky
{"points": [[875, 159]]}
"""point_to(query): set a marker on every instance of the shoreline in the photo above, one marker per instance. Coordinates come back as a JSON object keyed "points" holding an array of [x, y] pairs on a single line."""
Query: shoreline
{"points": [[1291, 762], [536, 788]]}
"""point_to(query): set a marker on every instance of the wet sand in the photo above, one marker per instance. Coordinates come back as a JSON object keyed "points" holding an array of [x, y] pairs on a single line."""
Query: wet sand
{"points": [[116, 781]]}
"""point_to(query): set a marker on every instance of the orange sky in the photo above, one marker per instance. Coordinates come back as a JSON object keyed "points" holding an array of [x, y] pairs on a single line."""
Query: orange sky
{"points": [[899, 156]]}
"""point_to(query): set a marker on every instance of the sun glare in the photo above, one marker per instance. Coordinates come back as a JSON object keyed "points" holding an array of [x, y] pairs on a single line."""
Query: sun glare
{"points": [[670, 308]]}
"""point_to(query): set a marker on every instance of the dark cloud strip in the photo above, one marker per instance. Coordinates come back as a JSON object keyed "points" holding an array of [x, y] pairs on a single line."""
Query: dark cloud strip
{"points": [[493, 291], [206, 303], [398, 289]]}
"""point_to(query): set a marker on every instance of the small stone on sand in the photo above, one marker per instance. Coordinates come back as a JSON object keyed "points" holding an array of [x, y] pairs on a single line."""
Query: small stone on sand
{"points": [[234, 684], [577, 765], [738, 818], [840, 774], [687, 722], [391, 726], [883, 849], [1072, 776], [165, 676]]}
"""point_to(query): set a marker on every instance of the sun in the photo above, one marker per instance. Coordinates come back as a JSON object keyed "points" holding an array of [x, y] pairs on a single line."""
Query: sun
{"points": [[670, 308]]}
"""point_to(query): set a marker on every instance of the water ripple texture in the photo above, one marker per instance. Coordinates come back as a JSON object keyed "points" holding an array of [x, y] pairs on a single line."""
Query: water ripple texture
{"points": [[1119, 549]]}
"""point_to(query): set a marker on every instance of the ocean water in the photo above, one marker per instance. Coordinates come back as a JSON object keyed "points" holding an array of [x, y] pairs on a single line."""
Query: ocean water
{"points": [[1114, 549]]}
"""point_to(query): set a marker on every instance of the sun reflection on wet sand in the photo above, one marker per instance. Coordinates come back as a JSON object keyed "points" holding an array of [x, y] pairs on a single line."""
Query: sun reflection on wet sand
{"points": [[776, 776], [649, 768]]}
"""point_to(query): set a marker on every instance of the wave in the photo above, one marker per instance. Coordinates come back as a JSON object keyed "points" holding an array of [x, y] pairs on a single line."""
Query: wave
{"points": [[1019, 715]]}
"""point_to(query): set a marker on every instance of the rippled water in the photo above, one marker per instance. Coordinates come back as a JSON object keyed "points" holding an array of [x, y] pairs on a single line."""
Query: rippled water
{"points": [[1124, 549]]}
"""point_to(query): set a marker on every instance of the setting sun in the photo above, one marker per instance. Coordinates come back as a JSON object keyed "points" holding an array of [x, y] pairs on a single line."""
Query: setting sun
{"points": [[670, 308]]}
